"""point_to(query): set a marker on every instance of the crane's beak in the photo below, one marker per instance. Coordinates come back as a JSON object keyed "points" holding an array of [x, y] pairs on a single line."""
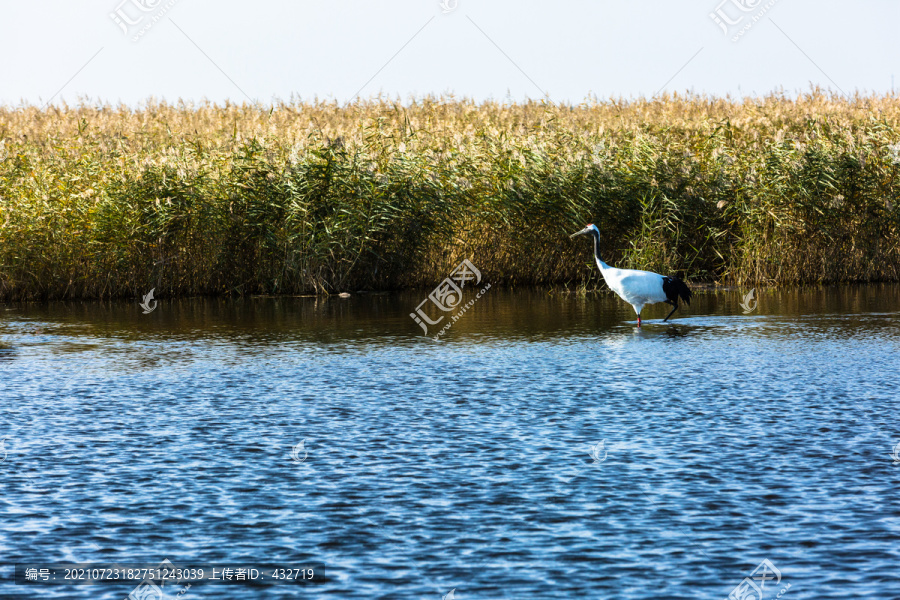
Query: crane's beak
{"points": [[577, 233]]}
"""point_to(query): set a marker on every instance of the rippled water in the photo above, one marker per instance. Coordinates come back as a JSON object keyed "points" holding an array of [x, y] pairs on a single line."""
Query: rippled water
{"points": [[472, 463]]}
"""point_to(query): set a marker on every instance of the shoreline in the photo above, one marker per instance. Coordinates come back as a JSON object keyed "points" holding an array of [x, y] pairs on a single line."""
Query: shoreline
{"points": [[415, 292]]}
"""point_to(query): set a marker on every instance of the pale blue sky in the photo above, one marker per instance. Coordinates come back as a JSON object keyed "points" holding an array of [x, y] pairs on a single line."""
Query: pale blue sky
{"points": [[488, 49]]}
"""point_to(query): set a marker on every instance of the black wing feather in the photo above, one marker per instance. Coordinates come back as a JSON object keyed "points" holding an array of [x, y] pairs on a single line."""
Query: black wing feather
{"points": [[674, 288]]}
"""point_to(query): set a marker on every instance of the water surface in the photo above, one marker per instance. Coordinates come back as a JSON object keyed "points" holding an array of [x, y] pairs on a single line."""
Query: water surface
{"points": [[543, 448]]}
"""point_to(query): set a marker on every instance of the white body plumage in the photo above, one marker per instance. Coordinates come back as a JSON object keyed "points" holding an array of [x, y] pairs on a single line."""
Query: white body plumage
{"points": [[637, 288]]}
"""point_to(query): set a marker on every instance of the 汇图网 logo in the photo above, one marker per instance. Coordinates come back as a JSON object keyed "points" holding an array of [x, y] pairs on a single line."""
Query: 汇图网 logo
{"points": [[750, 303], [297, 450], [447, 296], [146, 303]]}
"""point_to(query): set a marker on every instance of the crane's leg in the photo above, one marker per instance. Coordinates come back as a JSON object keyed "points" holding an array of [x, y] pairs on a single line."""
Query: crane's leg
{"points": [[639, 319], [674, 308]]}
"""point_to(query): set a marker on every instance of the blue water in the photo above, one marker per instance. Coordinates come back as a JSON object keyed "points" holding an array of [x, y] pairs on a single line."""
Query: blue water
{"points": [[544, 448]]}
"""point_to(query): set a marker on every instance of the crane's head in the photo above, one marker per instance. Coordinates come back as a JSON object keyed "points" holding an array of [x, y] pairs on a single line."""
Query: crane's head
{"points": [[589, 229]]}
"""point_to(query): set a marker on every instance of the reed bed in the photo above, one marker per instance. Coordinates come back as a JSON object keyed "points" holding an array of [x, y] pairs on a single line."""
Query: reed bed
{"points": [[100, 201]]}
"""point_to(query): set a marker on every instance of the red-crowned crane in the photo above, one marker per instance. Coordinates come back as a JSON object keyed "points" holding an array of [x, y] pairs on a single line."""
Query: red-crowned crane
{"points": [[638, 288]]}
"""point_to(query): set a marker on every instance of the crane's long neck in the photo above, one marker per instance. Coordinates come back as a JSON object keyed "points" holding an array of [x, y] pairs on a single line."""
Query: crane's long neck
{"points": [[602, 265]]}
